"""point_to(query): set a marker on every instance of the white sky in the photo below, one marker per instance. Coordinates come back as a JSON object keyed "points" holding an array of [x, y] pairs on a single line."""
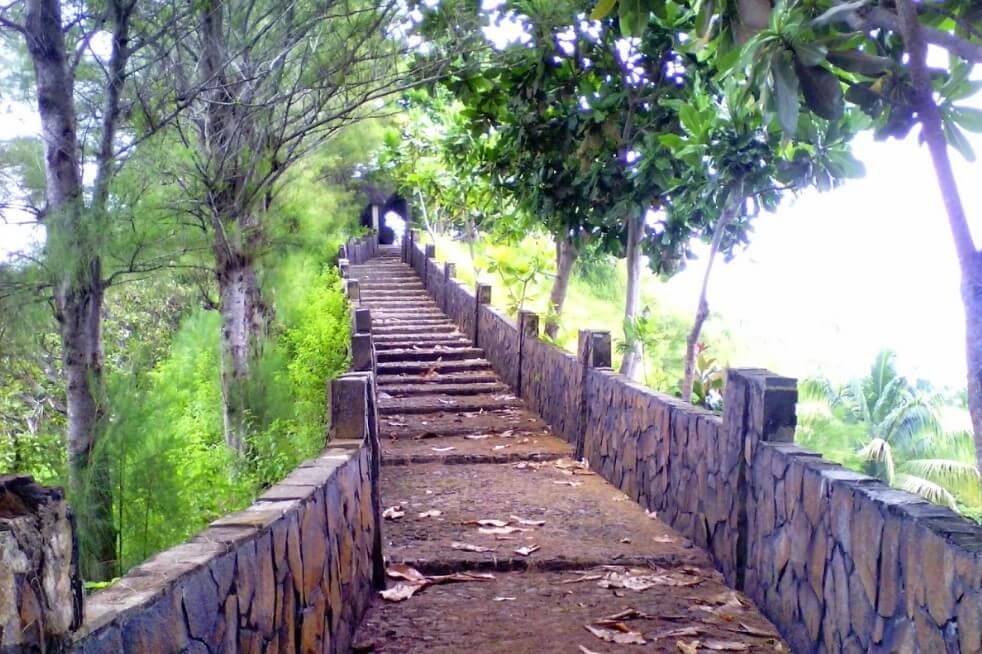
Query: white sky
{"points": [[828, 280]]}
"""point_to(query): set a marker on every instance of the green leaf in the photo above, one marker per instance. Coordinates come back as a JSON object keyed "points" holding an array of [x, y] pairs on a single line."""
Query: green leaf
{"points": [[786, 95], [855, 61], [633, 17], [603, 9], [957, 140], [838, 12], [822, 90], [809, 54], [968, 118]]}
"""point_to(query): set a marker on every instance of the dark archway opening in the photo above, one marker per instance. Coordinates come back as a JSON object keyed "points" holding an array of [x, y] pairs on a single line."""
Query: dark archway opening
{"points": [[389, 216]]}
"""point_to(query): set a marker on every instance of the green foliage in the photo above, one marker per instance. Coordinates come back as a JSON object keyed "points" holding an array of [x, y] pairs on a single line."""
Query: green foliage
{"points": [[709, 380], [902, 433], [521, 271]]}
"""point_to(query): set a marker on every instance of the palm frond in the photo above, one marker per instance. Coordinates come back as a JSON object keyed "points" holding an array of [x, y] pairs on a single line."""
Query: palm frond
{"points": [[927, 489], [879, 451], [949, 473]]}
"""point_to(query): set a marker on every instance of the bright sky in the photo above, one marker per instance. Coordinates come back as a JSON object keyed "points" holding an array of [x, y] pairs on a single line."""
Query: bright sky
{"points": [[828, 280]]}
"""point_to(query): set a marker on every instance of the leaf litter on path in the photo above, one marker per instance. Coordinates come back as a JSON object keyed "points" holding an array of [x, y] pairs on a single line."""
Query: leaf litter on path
{"points": [[620, 633], [393, 512], [467, 547], [413, 581]]}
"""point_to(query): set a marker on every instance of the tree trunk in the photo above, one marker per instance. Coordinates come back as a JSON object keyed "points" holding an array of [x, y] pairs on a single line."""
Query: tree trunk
{"points": [[242, 325], [633, 356], [729, 213], [79, 293], [566, 254], [426, 217], [969, 258]]}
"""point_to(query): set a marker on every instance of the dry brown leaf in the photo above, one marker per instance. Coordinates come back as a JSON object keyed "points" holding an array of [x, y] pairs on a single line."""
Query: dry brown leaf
{"points": [[725, 646], [393, 513], [401, 591], [680, 632], [529, 523], [651, 514], [621, 634], [582, 578], [404, 571], [527, 465], [432, 513], [500, 447], [461, 576], [487, 522], [664, 539], [586, 650], [504, 599], [688, 648], [630, 613], [756, 631], [507, 433], [527, 550], [477, 437], [467, 547], [500, 531], [443, 449], [568, 483]]}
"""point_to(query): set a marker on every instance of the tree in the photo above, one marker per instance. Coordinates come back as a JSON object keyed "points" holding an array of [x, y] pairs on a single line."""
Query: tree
{"points": [[80, 92], [276, 81]]}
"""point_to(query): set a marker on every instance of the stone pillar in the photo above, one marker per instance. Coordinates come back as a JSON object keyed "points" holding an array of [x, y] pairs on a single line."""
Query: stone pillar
{"points": [[354, 415], [344, 268], [413, 240], [757, 406], [449, 270], [482, 293], [428, 253], [40, 584], [354, 292], [375, 217], [593, 351], [362, 353], [528, 329], [342, 252], [362, 321]]}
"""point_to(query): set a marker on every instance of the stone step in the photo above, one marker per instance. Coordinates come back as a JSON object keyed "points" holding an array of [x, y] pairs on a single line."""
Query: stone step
{"points": [[426, 404], [431, 354], [402, 301], [400, 313], [395, 296], [511, 421], [420, 324], [407, 330], [478, 388], [421, 338], [406, 344], [435, 381], [431, 367]]}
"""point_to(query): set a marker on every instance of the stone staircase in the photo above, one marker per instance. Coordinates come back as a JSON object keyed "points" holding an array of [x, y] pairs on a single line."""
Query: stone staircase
{"points": [[568, 552]]}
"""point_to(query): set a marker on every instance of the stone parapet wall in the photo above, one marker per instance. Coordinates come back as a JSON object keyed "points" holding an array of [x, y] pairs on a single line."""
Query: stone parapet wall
{"points": [[359, 250], [837, 560], [294, 570]]}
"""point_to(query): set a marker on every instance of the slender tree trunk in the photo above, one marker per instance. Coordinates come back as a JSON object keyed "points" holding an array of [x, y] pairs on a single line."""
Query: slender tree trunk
{"points": [[566, 254], [632, 302], [79, 293], [242, 313], [702, 312], [426, 216], [969, 258]]}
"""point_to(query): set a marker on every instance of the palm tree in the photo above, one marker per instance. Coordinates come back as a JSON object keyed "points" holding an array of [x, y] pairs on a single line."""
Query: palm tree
{"points": [[900, 433]]}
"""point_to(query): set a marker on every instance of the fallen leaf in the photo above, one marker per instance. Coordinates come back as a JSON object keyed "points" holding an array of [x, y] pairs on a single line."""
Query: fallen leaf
{"points": [[401, 591], [568, 483], [500, 447], [500, 531], [621, 635], [527, 465], [404, 571], [688, 648], [507, 433], [652, 514], [477, 437], [462, 576], [585, 650], [527, 550], [630, 613], [393, 513], [679, 632], [582, 578], [504, 599], [755, 631], [445, 402], [432, 513], [664, 539], [725, 646], [443, 449], [625, 540], [467, 547], [530, 523], [487, 522]]}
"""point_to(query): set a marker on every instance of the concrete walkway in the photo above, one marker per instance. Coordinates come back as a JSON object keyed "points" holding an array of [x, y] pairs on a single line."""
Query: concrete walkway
{"points": [[510, 545]]}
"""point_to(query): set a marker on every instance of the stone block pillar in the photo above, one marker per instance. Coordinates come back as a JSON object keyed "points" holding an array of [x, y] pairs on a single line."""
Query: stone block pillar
{"points": [[344, 268], [758, 406], [428, 253], [354, 292], [528, 329], [593, 351], [449, 270], [482, 293], [40, 584], [354, 416]]}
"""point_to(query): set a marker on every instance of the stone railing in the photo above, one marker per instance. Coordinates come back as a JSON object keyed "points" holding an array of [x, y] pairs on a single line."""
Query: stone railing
{"points": [[295, 571], [839, 561]]}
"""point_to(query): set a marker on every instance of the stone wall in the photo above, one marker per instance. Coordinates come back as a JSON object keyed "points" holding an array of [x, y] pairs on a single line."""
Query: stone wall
{"points": [[359, 250], [837, 560]]}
